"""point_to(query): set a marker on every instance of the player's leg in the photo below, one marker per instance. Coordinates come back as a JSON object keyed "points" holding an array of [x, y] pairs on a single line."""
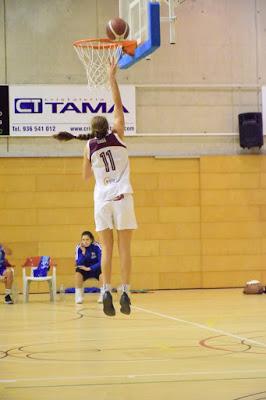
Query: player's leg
{"points": [[100, 299], [2, 277], [125, 222], [8, 275], [107, 241], [78, 287], [124, 247]]}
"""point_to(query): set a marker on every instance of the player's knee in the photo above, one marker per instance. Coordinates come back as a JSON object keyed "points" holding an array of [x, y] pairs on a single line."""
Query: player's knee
{"points": [[9, 273]]}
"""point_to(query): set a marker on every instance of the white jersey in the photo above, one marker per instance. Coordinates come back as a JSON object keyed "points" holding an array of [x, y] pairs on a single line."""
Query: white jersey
{"points": [[110, 166]]}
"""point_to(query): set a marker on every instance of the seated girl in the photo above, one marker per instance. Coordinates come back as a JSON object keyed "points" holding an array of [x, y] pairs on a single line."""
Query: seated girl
{"points": [[88, 264]]}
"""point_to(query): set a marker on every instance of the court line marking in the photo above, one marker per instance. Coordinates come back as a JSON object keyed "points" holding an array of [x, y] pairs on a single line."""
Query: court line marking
{"points": [[133, 376], [201, 326]]}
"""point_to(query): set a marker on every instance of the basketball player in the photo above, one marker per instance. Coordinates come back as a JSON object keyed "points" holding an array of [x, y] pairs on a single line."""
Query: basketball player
{"points": [[88, 264], [106, 157], [6, 273]]}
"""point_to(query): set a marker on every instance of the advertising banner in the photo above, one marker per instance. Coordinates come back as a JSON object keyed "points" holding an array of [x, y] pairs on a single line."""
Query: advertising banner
{"points": [[43, 110]]}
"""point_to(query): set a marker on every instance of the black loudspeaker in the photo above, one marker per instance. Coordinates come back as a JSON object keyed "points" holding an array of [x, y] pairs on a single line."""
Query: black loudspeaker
{"points": [[250, 129]]}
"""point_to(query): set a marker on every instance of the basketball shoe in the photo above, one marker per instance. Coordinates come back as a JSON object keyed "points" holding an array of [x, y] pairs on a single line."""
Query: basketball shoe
{"points": [[8, 299], [108, 307], [125, 303]]}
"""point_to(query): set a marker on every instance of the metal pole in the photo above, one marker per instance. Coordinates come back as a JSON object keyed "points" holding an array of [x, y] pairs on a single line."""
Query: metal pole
{"points": [[172, 18]]}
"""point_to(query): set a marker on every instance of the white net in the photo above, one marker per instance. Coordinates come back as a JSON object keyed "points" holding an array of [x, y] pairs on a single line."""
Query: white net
{"points": [[95, 55]]}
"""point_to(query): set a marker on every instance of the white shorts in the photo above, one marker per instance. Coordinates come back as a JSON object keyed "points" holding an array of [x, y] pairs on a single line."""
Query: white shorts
{"points": [[115, 214]]}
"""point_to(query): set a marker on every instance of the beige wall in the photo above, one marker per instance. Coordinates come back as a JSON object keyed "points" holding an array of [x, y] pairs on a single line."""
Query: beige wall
{"points": [[40, 49], [218, 42], [202, 221]]}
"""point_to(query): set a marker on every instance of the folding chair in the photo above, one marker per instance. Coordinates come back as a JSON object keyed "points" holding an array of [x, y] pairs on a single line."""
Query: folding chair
{"points": [[32, 264]]}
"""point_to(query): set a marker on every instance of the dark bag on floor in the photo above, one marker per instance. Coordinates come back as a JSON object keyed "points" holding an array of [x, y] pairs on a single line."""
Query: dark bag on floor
{"points": [[253, 287]]}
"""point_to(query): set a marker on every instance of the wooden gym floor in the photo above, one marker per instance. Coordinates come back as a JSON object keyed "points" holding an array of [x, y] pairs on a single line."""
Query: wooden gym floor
{"points": [[178, 344]]}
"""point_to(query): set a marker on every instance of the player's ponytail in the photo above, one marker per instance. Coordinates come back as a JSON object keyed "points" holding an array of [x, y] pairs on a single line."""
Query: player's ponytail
{"points": [[66, 136], [99, 129]]}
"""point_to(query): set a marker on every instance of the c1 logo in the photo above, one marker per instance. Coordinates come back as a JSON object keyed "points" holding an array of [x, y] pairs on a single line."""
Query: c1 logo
{"points": [[28, 106]]}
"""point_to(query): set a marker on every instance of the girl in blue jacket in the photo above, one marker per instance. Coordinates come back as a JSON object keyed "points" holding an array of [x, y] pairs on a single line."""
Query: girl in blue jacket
{"points": [[88, 264]]}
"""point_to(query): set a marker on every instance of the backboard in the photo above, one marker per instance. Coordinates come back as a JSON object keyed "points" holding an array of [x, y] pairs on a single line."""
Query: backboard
{"points": [[143, 17]]}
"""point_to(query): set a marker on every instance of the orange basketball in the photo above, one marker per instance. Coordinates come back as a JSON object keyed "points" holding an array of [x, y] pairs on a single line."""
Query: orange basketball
{"points": [[117, 29]]}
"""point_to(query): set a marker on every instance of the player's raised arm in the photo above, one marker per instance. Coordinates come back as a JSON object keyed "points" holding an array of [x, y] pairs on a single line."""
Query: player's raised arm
{"points": [[119, 120]]}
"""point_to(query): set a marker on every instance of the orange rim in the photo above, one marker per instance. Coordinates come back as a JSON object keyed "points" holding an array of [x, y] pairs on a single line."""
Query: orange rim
{"points": [[128, 46]]}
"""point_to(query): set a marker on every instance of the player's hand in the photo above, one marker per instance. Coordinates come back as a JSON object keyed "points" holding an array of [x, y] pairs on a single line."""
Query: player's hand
{"points": [[112, 68], [84, 268], [82, 248]]}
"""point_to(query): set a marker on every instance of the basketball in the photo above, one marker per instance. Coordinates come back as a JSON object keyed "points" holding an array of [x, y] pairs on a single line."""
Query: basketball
{"points": [[117, 29]]}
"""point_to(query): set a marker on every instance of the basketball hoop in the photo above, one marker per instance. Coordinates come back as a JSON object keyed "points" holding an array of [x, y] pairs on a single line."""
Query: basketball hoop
{"points": [[95, 53]]}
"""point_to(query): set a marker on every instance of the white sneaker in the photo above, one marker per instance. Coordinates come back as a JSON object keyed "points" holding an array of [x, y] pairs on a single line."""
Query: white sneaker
{"points": [[100, 299], [78, 298]]}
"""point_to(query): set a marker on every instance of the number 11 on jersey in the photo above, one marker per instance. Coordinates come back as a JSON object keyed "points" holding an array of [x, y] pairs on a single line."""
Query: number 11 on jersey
{"points": [[108, 160]]}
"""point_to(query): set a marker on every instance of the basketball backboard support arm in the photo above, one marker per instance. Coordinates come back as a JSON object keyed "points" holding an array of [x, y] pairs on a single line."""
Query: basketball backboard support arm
{"points": [[171, 19], [153, 41]]}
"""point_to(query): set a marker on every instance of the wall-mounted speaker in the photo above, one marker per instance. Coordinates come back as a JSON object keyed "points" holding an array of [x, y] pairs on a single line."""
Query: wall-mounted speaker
{"points": [[250, 129]]}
